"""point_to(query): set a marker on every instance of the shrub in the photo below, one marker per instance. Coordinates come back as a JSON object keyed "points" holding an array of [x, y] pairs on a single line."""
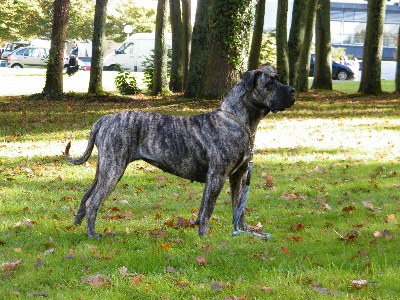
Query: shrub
{"points": [[126, 83]]}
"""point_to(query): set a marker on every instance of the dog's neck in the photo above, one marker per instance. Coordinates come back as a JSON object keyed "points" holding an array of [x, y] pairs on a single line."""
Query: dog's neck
{"points": [[244, 109]]}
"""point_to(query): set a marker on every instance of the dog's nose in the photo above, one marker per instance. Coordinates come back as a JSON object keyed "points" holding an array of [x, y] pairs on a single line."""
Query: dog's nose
{"points": [[291, 90]]}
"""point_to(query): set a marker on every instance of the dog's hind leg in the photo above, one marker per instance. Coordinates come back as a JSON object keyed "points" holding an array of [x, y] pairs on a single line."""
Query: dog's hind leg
{"points": [[82, 207], [107, 177]]}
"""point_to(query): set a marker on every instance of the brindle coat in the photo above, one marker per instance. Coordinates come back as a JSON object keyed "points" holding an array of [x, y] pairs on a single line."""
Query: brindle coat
{"points": [[209, 148]]}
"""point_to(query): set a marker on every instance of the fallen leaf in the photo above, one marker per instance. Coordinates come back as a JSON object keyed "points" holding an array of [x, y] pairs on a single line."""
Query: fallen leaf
{"points": [[11, 265], [265, 288], [378, 234], [285, 250], [294, 238], [298, 226], [368, 204], [217, 285], [201, 261], [137, 279], [49, 251], [390, 218], [349, 208], [358, 284], [96, 280], [165, 246]]}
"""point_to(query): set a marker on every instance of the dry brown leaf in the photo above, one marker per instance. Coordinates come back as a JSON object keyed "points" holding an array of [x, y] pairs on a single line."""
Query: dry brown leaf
{"points": [[201, 261], [285, 250], [11, 265], [137, 279]]}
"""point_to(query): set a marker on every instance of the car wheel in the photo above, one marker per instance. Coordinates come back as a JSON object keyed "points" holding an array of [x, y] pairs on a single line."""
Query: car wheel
{"points": [[111, 68], [16, 66], [342, 75]]}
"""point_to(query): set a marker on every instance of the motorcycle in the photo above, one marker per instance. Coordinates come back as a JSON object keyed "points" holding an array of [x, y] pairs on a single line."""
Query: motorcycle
{"points": [[73, 65]]}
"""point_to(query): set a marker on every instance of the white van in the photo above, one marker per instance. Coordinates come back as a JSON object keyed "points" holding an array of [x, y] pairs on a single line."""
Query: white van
{"points": [[133, 52]]}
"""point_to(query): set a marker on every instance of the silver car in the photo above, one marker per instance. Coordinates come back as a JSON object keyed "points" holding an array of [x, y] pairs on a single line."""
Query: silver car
{"points": [[32, 57], [28, 57]]}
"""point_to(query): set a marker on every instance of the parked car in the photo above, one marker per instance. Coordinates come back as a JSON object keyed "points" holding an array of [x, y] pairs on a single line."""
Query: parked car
{"points": [[11, 48], [87, 62], [32, 57], [28, 57], [339, 72]]}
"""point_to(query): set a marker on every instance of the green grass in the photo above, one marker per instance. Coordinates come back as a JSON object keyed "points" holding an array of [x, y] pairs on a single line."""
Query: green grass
{"points": [[326, 179]]}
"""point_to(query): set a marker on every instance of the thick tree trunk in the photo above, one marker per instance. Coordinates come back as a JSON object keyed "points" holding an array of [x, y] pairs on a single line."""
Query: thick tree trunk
{"points": [[98, 48], [176, 79], [230, 24], [296, 38], [187, 36], [256, 41], [55, 66], [372, 57], [160, 80], [199, 49], [304, 67], [398, 64], [282, 59], [323, 62]]}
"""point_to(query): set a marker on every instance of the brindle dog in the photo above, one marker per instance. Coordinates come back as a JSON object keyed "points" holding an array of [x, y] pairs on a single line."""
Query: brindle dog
{"points": [[209, 148]]}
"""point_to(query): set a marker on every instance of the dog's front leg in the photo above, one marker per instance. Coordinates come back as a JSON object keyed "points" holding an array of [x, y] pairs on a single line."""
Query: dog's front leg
{"points": [[214, 183], [238, 182]]}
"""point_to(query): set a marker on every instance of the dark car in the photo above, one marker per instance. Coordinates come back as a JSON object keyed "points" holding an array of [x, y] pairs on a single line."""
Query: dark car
{"points": [[339, 72]]}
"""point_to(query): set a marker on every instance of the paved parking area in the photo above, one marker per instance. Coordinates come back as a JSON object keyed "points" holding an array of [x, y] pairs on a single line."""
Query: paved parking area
{"points": [[32, 81]]}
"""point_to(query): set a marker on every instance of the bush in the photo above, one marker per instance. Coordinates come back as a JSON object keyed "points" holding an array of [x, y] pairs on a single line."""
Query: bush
{"points": [[126, 83]]}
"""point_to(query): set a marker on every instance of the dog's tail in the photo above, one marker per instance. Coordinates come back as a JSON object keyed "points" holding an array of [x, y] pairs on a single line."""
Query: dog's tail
{"points": [[89, 147]]}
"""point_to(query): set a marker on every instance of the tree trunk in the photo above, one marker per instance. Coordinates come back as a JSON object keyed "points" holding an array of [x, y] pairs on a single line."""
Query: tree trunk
{"points": [[160, 80], [55, 66], [230, 24], [98, 48], [398, 63], [304, 67], [373, 43], [176, 79], [282, 59], [254, 59], [296, 39], [187, 36], [199, 49], [323, 61]]}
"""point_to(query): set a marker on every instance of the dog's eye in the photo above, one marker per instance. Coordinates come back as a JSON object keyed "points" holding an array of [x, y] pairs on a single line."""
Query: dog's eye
{"points": [[270, 81]]}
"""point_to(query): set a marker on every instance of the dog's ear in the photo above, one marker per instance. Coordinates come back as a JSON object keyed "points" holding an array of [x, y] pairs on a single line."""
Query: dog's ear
{"points": [[248, 79]]}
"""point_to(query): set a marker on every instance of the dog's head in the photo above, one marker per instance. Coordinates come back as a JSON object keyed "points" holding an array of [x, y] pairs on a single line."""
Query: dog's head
{"points": [[265, 91]]}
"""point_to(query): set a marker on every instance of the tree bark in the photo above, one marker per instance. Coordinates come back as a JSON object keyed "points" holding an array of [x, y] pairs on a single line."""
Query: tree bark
{"points": [[176, 79], [398, 64], [199, 49], [304, 65], [230, 24], [187, 36], [323, 61], [282, 58], [160, 80], [373, 45], [55, 67], [296, 38], [256, 41], [98, 48]]}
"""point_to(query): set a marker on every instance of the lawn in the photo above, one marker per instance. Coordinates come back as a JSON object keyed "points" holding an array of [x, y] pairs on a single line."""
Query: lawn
{"points": [[325, 185]]}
